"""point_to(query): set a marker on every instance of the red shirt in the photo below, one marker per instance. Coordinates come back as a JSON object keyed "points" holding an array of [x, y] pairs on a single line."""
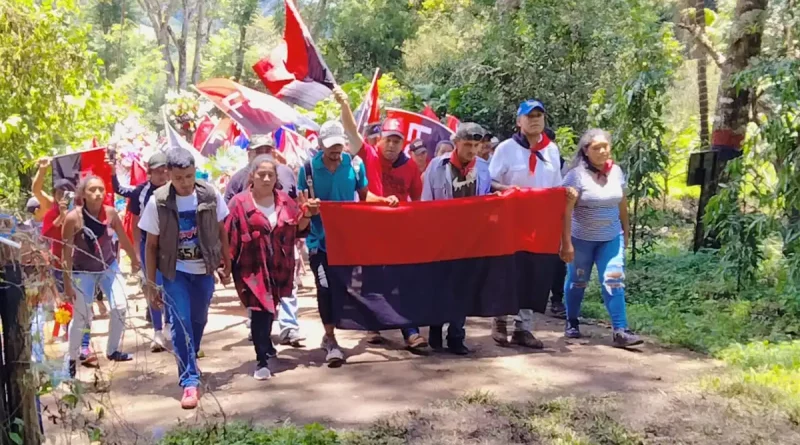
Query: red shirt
{"points": [[401, 178], [53, 233]]}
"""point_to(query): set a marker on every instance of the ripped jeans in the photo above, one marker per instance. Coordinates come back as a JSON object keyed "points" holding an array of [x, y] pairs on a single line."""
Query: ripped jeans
{"points": [[610, 259]]}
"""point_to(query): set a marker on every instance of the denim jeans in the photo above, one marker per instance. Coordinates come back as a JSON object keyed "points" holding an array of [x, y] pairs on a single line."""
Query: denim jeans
{"points": [[609, 256], [58, 275], [187, 298], [156, 315], [261, 329], [85, 284]]}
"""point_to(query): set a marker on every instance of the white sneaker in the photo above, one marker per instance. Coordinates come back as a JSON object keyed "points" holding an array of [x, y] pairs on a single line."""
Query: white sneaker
{"points": [[334, 355], [262, 374], [159, 342]]}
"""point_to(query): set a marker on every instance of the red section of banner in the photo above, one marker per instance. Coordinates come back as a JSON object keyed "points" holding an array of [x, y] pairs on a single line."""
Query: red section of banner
{"points": [[428, 111], [453, 122], [371, 235], [93, 163]]}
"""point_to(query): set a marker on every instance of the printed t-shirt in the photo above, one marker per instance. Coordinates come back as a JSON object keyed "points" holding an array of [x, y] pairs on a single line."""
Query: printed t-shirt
{"points": [[190, 259]]}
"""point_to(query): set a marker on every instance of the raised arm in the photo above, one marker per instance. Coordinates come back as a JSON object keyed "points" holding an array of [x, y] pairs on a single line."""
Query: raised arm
{"points": [[37, 189], [348, 121]]}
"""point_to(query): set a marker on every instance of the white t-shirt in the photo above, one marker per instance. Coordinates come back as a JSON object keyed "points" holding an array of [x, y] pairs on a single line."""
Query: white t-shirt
{"points": [[510, 166], [269, 212], [190, 260]]}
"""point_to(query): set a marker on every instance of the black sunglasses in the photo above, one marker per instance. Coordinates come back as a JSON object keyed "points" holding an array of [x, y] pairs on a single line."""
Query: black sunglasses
{"points": [[474, 137]]}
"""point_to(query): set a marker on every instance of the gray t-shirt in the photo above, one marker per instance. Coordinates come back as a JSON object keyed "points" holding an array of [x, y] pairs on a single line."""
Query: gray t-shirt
{"points": [[596, 215]]}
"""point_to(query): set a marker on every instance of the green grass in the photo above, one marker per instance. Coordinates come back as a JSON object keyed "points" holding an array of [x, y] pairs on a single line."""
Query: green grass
{"points": [[248, 434]]}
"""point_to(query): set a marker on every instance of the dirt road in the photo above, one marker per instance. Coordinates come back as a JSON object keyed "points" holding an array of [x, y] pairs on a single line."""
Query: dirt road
{"points": [[143, 400]]}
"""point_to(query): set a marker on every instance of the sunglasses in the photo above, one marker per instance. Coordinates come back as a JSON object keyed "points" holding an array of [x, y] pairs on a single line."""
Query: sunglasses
{"points": [[474, 137]]}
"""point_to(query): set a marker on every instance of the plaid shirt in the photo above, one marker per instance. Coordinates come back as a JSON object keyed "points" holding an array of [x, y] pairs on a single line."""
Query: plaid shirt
{"points": [[262, 256]]}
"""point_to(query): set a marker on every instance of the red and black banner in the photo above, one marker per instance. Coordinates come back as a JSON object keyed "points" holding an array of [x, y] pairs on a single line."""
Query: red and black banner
{"points": [[76, 166], [428, 263]]}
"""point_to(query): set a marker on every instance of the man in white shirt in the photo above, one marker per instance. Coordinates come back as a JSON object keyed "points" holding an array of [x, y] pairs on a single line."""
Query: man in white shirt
{"points": [[528, 160]]}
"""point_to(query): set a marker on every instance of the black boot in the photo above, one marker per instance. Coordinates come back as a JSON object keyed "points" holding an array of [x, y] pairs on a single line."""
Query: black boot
{"points": [[73, 368], [435, 337]]}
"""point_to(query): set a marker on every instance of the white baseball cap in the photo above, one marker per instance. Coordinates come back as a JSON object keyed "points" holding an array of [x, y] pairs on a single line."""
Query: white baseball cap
{"points": [[332, 133]]}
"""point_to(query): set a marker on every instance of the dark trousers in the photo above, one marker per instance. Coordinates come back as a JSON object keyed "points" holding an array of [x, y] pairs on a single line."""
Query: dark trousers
{"points": [[261, 328], [319, 266], [557, 289]]}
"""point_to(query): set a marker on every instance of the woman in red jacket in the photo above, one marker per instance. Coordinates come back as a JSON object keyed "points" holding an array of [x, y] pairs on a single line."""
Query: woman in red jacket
{"points": [[263, 224]]}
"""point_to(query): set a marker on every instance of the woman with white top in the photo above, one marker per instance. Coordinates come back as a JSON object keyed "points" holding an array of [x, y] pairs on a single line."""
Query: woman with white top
{"points": [[599, 234]]}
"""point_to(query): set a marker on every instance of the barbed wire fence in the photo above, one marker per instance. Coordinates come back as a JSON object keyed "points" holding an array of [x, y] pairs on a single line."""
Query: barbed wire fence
{"points": [[73, 409]]}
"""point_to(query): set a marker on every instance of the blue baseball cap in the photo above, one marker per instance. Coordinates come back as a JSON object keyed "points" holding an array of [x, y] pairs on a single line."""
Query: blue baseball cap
{"points": [[529, 105]]}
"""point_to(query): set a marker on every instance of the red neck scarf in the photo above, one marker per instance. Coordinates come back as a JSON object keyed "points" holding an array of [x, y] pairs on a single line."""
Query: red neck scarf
{"points": [[602, 173], [462, 169], [544, 141]]}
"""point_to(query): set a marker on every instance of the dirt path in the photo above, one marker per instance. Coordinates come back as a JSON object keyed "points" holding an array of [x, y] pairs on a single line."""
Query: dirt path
{"points": [[377, 380]]}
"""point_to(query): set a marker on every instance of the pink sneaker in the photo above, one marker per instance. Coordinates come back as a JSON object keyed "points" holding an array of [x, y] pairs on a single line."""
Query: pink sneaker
{"points": [[190, 397]]}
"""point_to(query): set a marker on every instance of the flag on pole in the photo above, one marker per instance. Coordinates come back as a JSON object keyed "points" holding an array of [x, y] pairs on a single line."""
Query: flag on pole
{"points": [[295, 148], [203, 131], [295, 71], [225, 132], [175, 140], [428, 112], [417, 126], [452, 122], [255, 112], [369, 111], [76, 166]]}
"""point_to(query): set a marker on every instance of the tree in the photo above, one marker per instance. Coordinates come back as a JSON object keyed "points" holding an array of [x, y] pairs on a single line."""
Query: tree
{"points": [[159, 13], [733, 101], [241, 15], [54, 94], [199, 40]]}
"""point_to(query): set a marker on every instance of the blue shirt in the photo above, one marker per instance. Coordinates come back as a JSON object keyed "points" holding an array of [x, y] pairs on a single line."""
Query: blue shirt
{"points": [[340, 185], [596, 215]]}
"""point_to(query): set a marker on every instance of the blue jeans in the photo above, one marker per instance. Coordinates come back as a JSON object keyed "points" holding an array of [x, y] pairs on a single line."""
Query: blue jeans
{"points": [[408, 332], [156, 315], [187, 298], [85, 285], [609, 256], [58, 275], [455, 331]]}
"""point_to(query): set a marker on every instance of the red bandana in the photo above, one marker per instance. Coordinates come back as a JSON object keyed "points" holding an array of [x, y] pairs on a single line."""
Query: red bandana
{"points": [[543, 142], [463, 169], [602, 173]]}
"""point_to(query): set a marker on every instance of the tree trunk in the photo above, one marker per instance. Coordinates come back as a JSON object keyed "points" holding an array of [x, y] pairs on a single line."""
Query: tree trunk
{"points": [[237, 72], [199, 41], [159, 20], [702, 102], [163, 41], [733, 104]]}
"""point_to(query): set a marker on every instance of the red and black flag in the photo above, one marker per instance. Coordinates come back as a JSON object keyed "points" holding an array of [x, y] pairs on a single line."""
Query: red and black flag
{"points": [[489, 256], [295, 71], [76, 166]]}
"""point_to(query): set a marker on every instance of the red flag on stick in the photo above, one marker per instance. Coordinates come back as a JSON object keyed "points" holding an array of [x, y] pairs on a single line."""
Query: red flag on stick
{"points": [[295, 71], [204, 129], [428, 111], [452, 122]]}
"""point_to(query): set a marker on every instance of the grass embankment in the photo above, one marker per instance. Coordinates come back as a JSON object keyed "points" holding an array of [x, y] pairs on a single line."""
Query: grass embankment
{"points": [[685, 299]]}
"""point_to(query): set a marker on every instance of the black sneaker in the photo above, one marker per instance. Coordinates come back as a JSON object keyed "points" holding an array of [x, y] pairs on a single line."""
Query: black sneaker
{"points": [[457, 347], [558, 310], [572, 331], [625, 338]]}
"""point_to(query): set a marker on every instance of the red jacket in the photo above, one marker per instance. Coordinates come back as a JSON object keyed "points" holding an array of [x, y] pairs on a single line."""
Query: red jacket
{"points": [[262, 256]]}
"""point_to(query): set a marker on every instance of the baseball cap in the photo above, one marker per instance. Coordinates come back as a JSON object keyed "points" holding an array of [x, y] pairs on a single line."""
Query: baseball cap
{"points": [[332, 133], [374, 129], [392, 127], [417, 145], [495, 141], [64, 184], [261, 140], [529, 105], [32, 205], [157, 160], [469, 131], [444, 142]]}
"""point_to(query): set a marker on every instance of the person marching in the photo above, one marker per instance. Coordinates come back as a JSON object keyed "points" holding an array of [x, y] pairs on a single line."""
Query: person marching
{"points": [[90, 262], [600, 231], [399, 177], [330, 176], [186, 242], [263, 225], [459, 174], [528, 160]]}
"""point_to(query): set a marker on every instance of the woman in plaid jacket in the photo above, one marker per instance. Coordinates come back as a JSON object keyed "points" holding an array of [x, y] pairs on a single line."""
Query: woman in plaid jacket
{"points": [[263, 225]]}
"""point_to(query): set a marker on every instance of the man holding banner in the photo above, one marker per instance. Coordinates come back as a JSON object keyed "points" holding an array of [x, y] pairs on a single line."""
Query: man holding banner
{"points": [[330, 176], [399, 176]]}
